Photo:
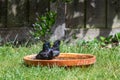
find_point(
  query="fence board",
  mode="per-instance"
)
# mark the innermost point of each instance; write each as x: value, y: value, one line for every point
x: 95, y: 13
x: 17, y: 13
x: 59, y: 27
x: 75, y: 14
x: 113, y: 16
x: 3, y: 13
x: 37, y: 7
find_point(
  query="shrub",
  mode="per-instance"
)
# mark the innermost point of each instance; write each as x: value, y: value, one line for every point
x: 43, y: 25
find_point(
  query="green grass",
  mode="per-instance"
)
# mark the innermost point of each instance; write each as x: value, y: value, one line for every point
x: 107, y: 66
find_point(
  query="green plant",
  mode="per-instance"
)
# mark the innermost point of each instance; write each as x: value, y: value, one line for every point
x: 112, y: 39
x: 95, y: 43
x: 106, y: 40
x: 43, y: 25
x: 116, y: 37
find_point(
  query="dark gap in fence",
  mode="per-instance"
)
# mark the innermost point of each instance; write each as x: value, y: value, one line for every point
x: 106, y: 13
x: 6, y: 11
x: 28, y: 8
x: 3, y: 13
x: 85, y: 12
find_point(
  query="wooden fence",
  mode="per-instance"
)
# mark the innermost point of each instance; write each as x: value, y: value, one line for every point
x: 17, y: 16
x: 94, y: 13
x: 20, y: 13
x: 87, y: 19
x: 101, y: 14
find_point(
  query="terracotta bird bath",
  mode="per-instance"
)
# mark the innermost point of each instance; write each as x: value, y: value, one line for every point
x: 64, y: 59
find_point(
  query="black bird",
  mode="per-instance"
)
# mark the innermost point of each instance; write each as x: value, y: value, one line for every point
x: 55, y: 48
x: 46, y: 52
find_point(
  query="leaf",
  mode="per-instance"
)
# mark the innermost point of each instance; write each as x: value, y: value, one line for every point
x: 102, y: 38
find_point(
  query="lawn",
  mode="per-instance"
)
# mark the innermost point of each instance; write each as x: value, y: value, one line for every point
x: 107, y: 66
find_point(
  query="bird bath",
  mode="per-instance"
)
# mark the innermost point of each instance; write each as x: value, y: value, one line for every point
x: 64, y: 59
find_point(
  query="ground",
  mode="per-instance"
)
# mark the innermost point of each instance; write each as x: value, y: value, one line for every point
x: 107, y: 66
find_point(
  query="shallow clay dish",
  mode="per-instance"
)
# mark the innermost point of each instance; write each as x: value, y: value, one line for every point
x: 64, y: 59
